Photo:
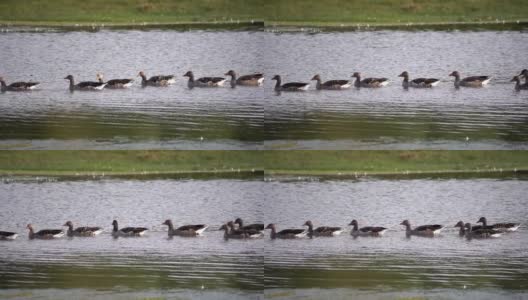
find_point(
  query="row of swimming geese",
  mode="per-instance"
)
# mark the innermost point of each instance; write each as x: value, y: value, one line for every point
x: 257, y: 79
x: 237, y: 230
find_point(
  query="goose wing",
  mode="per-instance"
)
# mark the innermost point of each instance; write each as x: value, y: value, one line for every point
x: 89, y: 84
x: 119, y: 81
x: 251, y: 77
x: 6, y: 233
x: 428, y: 227
x: 85, y: 229
x: 191, y: 227
x: 22, y: 84
x: 372, y: 229
x: 476, y: 78
x: 290, y: 231
x: 49, y: 232
x: 431, y: 80
x: 210, y: 79
x: 327, y: 229
x: 336, y: 82
x: 258, y: 227
x: 133, y: 229
x: 294, y: 85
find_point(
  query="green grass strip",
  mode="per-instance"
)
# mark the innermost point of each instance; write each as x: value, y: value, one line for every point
x: 301, y: 162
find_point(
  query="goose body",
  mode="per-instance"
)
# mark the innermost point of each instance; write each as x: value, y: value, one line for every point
x: 367, y: 230
x: 85, y: 85
x: 127, y: 231
x: 290, y: 86
x: 322, y: 230
x: 481, y: 233
x: 203, y: 81
x: 44, y: 234
x: 518, y: 85
x: 499, y: 226
x: 423, y: 230
x: 418, y: 82
x: 369, y: 82
x: 240, y: 223
x: 17, y: 86
x: 286, y: 233
x: 472, y: 81
x: 7, y: 235
x: 331, y: 84
x: 255, y: 79
x: 185, y: 230
x: 249, y: 231
x: 115, y: 83
x: 229, y: 233
x: 84, y: 231
x: 158, y: 80
x: 462, y: 231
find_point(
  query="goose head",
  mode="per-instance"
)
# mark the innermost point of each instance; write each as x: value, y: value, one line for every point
x: 29, y: 226
x: 270, y: 226
x: 141, y: 74
x: 69, y: 77
x: 460, y: 224
x: 455, y: 74
x: 230, y: 73
x: 114, y: 223
x: 524, y: 73
x: 308, y: 223
x: 405, y: 223
x: 481, y: 220
x: 404, y: 74
x: 188, y: 74
x: 167, y: 222
x: 69, y: 223
x: 316, y: 77
x: 276, y: 77
x: 238, y: 221
x: 356, y: 75
x: 353, y: 223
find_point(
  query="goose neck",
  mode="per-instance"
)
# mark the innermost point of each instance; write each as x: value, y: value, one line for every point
x: 355, y: 227
x: 278, y: 83
x: 116, y: 227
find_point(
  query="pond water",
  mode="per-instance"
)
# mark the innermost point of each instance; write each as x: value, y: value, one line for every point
x: 494, y: 117
x: 154, y: 265
x: 209, y: 267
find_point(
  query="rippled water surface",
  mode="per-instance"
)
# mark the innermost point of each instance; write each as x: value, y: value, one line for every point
x: 209, y: 267
x: 494, y: 117
x: 394, y: 265
x: 205, y: 267
x: 162, y: 118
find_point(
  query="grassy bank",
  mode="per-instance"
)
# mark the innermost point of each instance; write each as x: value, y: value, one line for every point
x: 89, y: 163
x: 276, y: 12
x: 392, y: 162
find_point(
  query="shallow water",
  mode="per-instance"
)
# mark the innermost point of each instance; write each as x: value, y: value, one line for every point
x: 494, y: 117
x: 209, y: 267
